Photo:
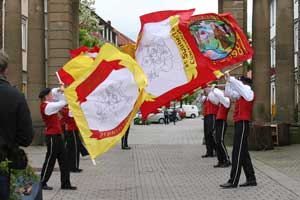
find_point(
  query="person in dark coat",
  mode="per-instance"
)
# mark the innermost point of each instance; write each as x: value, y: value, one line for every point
x: 173, y: 116
x: 166, y: 116
x: 15, y: 121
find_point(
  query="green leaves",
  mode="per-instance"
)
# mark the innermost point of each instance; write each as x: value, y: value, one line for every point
x: 86, y: 39
x: 27, y: 173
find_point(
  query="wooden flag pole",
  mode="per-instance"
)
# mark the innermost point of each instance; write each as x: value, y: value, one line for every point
x: 227, y: 71
x: 94, y: 162
x: 218, y: 85
x: 234, y: 68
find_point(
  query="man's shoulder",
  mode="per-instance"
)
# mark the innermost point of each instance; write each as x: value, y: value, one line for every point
x: 9, y: 91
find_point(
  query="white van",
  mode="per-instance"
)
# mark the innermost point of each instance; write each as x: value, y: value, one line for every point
x: 191, y: 110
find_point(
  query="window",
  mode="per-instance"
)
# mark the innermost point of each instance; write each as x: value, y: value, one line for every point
x: 273, y: 13
x: 296, y: 47
x: 24, y: 32
x: 296, y: 14
x: 296, y: 35
x: 273, y: 53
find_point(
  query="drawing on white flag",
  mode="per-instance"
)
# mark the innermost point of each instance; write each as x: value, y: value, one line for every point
x: 112, y: 98
x: 111, y: 102
x: 160, y: 58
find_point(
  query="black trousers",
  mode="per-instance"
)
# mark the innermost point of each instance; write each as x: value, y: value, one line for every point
x: 166, y: 119
x: 82, y: 149
x: 221, y: 126
x: 240, y: 154
x: 125, y: 138
x: 72, y: 141
x: 209, y: 125
x: 55, y: 150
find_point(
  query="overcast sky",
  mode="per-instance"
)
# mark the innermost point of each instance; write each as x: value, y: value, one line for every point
x: 124, y: 14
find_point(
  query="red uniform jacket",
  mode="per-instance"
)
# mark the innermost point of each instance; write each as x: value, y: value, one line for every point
x: 222, y: 112
x: 242, y: 110
x: 70, y: 124
x: 52, y: 122
x: 209, y: 108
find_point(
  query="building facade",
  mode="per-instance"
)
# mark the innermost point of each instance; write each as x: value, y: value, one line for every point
x: 284, y: 78
x: 275, y: 68
x: 37, y: 35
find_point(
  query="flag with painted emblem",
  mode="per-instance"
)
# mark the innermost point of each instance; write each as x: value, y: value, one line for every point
x: 106, y: 98
x: 169, y: 56
x: 219, y: 38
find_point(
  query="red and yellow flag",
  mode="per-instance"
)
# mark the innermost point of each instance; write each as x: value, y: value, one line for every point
x: 106, y: 98
x: 169, y: 56
x: 82, y: 58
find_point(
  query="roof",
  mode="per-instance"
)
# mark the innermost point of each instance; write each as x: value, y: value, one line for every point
x: 123, y: 39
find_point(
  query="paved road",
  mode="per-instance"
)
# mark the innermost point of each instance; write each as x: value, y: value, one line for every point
x: 165, y: 164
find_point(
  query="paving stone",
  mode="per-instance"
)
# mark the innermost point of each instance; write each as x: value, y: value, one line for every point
x: 165, y: 164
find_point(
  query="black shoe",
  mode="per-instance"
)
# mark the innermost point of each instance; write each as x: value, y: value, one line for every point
x: 68, y: 187
x: 225, y: 165
x: 76, y: 170
x: 228, y: 185
x: 218, y: 165
x: 228, y: 163
x: 248, y: 183
x: 46, y: 187
x: 126, y: 148
x: 207, y: 156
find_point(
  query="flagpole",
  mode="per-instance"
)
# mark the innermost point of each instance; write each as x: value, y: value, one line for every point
x: 236, y: 67
x: 229, y: 70
x: 58, y: 78
x: 218, y: 85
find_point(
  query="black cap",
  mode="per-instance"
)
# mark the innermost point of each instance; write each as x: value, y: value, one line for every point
x: 246, y: 80
x: 44, y: 93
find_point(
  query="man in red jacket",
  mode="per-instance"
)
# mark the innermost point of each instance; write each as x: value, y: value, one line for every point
x: 210, y: 110
x: 241, y: 91
x: 52, y: 101
x: 221, y: 126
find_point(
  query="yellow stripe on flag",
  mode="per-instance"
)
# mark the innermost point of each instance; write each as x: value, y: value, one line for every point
x: 108, y: 52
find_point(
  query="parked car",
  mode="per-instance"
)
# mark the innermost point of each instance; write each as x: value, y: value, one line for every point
x: 160, y: 117
x: 191, y: 110
x: 181, y: 112
x: 137, y: 120
x: 156, y: 118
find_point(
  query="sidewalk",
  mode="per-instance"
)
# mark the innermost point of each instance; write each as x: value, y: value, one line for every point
x: 165, y: 163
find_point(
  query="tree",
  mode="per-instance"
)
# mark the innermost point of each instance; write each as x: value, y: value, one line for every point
x: 89, y: 34
x: 87, y: 19
x: 87, y: 39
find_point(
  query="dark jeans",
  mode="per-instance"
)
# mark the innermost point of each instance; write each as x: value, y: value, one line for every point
x: 209, y: 126
x: 4, y: 187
